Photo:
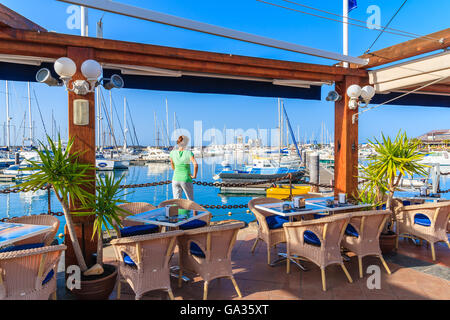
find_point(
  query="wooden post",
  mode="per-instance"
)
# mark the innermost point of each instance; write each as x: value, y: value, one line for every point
x: 345, y: 141
x: 84, y: 141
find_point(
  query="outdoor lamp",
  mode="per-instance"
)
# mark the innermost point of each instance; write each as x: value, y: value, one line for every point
x: 44, y: 76
x: 357, y: 95
x: 115, y: 81
x: 333, y: 96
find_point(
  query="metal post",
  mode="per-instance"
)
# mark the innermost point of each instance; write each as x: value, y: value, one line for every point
x: 314, y: 170
x: 16, y: 158
x: 345, y: 30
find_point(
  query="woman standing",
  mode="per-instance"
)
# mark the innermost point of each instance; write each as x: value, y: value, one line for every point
x: 181, y: 159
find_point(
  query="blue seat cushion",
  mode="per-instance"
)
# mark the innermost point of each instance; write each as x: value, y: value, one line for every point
x: 196, y: 251
x: 276, y: 221
x: 406, y: 202
x: 138, y: 230
x: 48, y: 277
x: 22, y: 247
x: 128, y: 261
x: 351, y: 231
x: 311, y: 238
x: 193, y: 224
x: 422, y: 220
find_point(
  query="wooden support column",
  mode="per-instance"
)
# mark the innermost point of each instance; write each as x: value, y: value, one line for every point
x: 84, y: 141
x: 345, y: 141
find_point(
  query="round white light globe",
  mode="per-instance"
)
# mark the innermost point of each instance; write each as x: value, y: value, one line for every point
x: 367, y: 92
x: 65, y: 67
x: 354, y: 91
x: 91, y: 69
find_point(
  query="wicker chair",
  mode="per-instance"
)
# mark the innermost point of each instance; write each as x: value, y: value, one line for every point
x: 207, y: 252
x: 29, y: 274
x: 426, y: 221
x: 189, y: 205
x: 144, y: 261
x: 43, y: 220
x: 269, y: 235
x: 362, y: 235
x: 318, y: 241
x: 135, y: 208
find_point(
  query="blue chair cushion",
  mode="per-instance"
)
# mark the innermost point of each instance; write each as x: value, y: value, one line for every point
x: 310, y: 238
x: 422, y: 220
x: 128, y: 261
x: 138, y: 230
x: 406, y: 202
x: 22, y: 247
x: 276, y: 221
x: 193, y: 224
x: 48, y: 277
x: 196, y: 251
x: 351, y: 231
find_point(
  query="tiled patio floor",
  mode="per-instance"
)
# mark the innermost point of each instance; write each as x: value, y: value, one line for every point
x: 414, y: 276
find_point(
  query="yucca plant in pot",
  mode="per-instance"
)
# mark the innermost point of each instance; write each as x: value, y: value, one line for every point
x: 99, y: 281
x: 394, y: 159
x: 60, y: 169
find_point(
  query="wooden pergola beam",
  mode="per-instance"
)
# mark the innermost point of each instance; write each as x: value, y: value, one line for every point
x: 407, y: 49
x: 13, y: 41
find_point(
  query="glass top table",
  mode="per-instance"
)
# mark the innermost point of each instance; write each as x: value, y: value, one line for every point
x: 159, y: 217
x: 313, y: 205
x: 13, y: 232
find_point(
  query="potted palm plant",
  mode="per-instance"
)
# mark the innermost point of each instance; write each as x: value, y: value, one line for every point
x: 394, y: 159
x: 60, y: 169
x: 98, y: 282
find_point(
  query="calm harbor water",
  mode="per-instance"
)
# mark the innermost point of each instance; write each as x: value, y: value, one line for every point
x: 19, y: 204
x: 13, y: 205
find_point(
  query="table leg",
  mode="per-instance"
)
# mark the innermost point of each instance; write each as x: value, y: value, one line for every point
x: 283, y: 257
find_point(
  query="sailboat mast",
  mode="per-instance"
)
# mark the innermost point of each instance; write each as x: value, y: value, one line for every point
x: 111, y: 131
x: 156, y: 129
x: 167, y: 123
x: 124, y: 123
x: 29, y: 115
x: 98, y: 116
x: 8, y: 119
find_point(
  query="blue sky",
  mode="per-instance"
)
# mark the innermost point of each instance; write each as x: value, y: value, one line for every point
x: 416, y: 16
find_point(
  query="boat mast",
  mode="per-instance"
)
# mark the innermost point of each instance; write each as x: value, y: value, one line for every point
x: 279, y: 131
x: 156, y: 130
x: 167, y: 123
x: 8, y: 119
x: 29, y: 115
x: 124, y: 123
x: 111, y: 131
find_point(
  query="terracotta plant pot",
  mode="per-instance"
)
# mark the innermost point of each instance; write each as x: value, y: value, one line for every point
x: 99, y: 288
x: 387, y: 242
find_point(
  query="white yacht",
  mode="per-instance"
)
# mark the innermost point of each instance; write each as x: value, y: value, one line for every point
x: 156, y: 155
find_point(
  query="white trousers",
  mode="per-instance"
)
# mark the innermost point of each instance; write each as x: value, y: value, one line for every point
x: 178, y: 187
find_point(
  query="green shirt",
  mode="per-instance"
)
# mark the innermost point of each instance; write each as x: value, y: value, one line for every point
x: 182, y: 163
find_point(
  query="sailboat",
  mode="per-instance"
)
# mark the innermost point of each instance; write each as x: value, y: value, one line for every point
x: 265, y: 168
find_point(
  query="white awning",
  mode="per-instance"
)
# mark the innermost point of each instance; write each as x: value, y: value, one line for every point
x: 412, y: 73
